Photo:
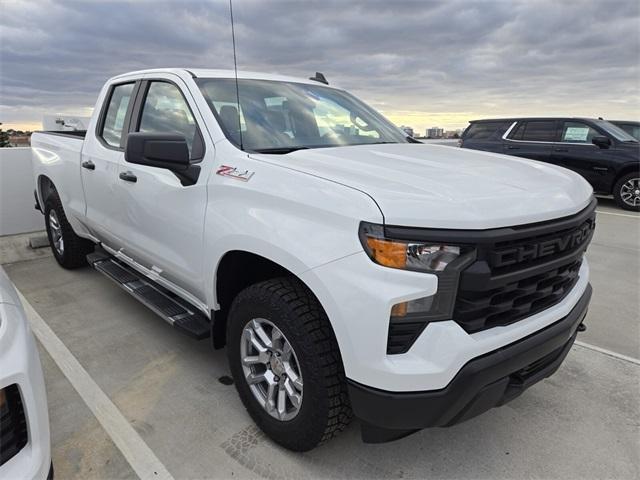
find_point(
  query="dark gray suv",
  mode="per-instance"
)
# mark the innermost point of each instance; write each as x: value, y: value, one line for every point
x: 604, y: 154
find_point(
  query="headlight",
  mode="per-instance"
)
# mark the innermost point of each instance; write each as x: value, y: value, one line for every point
x: 408, y: 319
x: 406, y: 255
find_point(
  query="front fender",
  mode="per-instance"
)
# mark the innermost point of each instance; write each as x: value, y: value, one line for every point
x: 291, y: 218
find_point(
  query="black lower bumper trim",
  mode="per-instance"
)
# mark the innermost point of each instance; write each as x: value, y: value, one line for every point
x: 483, y: 383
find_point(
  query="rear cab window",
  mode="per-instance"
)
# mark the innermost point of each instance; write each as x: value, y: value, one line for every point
x: 113, y: 120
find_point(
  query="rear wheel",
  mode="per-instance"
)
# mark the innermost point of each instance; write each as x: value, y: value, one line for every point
x: 286, y: 364
x: 69, y: 249
x: 626, y: 191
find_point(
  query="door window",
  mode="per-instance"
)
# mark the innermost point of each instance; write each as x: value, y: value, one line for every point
x: 536, y: 131
x: 165, y: 110
x: 577, y: 132
x: 116, y: 113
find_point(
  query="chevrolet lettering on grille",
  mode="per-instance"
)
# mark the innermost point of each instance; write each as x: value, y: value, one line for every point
x: 533, y: 251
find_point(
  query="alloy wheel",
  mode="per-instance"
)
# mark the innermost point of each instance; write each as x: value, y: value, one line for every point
x: 56, y: 232
x: 271, y: 369
x: 630, y: 192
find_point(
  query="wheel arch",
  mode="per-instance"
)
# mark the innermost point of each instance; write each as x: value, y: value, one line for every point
x: 44, y: 188
x: 624, y: 170
x: 228, y: 283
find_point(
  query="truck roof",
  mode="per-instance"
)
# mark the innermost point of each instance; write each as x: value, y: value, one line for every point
x: 220, y: 73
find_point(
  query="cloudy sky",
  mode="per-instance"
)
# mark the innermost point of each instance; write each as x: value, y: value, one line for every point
x: 421, y: 63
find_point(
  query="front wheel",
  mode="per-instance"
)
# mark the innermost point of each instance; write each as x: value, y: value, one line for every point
x: 626, y: 191
x: 286, y: 364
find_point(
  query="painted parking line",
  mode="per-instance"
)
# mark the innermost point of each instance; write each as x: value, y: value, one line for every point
x: 618, y: 214
x: 610, y: 353
x: 141, y: 458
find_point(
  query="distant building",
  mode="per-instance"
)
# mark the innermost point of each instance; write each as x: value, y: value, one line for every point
x: 435, y: 132
x: 407, y: 130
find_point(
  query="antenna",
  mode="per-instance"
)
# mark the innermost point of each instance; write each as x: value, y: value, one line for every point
x: 235, y: 69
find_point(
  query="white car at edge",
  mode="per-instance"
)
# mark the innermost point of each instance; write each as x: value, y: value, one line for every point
x: 349, y: 270
x: 24, y: 432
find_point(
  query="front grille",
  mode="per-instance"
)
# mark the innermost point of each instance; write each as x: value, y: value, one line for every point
x: 479, y: 310
x: 521, y: 271
x: 507, y: 274
x: 13, y: 424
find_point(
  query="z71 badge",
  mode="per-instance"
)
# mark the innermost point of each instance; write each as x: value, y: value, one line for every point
x: 233, y: 172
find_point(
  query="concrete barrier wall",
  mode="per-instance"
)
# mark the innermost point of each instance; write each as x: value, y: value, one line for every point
x: 17, y: 214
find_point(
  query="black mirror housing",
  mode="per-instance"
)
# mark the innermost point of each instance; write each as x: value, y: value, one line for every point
x: 162, y: 150
x: 601, y: 142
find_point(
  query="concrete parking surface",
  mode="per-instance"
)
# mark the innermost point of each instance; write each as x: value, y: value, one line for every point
x: 583, y: 422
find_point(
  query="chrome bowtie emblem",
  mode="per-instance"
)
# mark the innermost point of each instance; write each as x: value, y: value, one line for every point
x: 233, y: 172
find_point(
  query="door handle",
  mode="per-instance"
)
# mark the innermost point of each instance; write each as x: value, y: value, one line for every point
x: 560, y: 149
x: 128, y: 177
x: 511, y: 147
x: 89, y: 165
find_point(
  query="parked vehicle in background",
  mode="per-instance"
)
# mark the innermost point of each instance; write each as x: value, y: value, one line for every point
x: 631, y: 127
x: 25, y: 450
x: 604, y: 154
x: 347, y: 270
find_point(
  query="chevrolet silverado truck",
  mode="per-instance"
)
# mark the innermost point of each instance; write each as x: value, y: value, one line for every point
x: 348, y: 270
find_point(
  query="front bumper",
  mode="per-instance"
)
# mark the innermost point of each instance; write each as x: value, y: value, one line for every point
x: 485, y: 382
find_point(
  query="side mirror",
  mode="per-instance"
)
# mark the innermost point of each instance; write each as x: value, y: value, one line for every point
x: 162, y: 150
x: 601, y: 142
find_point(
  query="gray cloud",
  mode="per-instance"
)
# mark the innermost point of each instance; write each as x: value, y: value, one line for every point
x: 425, y: 62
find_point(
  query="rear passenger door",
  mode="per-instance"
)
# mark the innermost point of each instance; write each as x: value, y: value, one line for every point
x: 101, y: 155
x: 575, y: 151
x: 531, y: 139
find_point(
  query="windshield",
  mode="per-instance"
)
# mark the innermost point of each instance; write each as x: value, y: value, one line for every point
x: 280, y: 117
x: 615, y: 131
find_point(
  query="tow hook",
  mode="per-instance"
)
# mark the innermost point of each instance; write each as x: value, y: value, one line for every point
x: 582, y: 327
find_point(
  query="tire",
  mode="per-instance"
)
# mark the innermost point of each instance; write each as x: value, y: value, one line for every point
x: 626, y: 191
x: 324, y: 410
x: 72, y: 251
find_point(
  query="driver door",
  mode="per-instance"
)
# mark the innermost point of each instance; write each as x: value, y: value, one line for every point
x: 161, y: 220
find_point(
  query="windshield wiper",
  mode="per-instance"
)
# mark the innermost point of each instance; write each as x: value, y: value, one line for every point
x: 280, y: 150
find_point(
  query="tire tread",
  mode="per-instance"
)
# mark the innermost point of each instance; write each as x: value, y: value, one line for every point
x: 75, y: 248
x: 304, y: 305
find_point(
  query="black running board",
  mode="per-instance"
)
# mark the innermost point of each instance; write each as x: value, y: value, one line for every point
x: 174, y: 310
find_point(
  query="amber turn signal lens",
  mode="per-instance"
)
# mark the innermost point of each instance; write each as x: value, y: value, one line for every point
x: 387, y: 253
x: 399, y: 310
x: 3, y: 398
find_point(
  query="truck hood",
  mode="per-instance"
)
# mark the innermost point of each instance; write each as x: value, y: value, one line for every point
x: 446, y: 187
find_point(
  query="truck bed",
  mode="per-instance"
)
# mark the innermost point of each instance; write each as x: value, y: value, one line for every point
x: 77, y: 134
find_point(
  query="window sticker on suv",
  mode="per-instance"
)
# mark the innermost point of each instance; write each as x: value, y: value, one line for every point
x: 576, y: 134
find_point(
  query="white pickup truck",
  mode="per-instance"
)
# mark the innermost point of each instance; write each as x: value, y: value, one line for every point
x: 349, y: 270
